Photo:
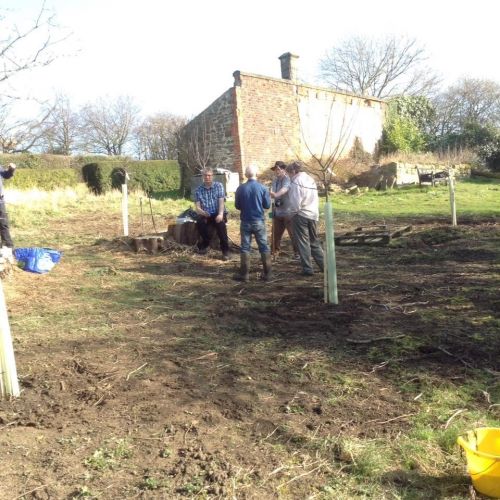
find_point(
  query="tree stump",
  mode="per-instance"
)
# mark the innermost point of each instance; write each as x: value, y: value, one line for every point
x: 149, y: 243
x: 187, y: 234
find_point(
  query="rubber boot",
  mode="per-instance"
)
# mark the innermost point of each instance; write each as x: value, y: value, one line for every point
x: 267, y: 264
x: 244, y: 274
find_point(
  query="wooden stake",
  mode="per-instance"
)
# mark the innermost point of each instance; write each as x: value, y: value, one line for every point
x: 451, y: 184
x: 125, y: 209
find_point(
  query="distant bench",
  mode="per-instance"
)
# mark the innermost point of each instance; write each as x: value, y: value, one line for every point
x: 432, y: 177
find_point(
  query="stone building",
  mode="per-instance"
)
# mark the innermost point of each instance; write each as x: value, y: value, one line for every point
x: 262, y: 119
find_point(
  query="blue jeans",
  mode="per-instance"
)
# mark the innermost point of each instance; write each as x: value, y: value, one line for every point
x: 258, y: 229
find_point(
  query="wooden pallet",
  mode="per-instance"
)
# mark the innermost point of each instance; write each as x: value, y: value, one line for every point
x: 376, y: 235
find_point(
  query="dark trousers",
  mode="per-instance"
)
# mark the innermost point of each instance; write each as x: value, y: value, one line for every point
x: 308, y: 243
x: 4, y: 226
x: 202, y: 225
x: 280, y: 223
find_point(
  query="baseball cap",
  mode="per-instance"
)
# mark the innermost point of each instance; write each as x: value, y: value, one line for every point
x: 280, y: 164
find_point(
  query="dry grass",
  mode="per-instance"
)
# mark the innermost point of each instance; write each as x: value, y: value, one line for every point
x: 453, y: 157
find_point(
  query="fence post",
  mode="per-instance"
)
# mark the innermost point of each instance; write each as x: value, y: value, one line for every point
x: 125, y: 209
x: 451, y: 183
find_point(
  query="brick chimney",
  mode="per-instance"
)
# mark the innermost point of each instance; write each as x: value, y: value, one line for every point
x: 288, y: 66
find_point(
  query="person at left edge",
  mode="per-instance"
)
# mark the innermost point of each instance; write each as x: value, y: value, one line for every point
x: 209, y: 201
x: 7, y: 243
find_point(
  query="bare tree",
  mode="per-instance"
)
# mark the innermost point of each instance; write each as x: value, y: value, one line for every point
x: 29, y: 46
x: 322, y: 161
x: 156, y: 138
x: 378, y: 67
x: 106, y: 125
x: 21, y: 136
x: 468, y: 101
x: 61, y: 129
x: 200, y: 139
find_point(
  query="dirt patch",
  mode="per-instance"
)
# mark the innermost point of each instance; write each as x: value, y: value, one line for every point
x: 160, y: 377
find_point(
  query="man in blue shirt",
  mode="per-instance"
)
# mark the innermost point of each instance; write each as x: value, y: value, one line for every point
x: 251, y: 199
x: 209, y: 200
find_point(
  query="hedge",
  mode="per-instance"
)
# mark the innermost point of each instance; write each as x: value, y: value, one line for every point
x: 36, y: 161
x: 43, y: 161
x: 47, y: 179
x: 150, y: 176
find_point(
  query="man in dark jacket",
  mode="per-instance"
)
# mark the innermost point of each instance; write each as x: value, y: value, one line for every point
x: 7, y: 244
x: 251, y: 199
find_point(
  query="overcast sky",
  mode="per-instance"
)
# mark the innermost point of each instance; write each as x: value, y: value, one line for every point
x: 179, y: 56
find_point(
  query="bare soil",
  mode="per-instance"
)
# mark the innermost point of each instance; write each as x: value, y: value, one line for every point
x: 160, y: 377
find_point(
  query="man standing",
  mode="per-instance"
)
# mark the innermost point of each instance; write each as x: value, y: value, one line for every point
x: 282, y: 218
x: 251, y: 199
x: 7, y: 244
x: 209, y: 202
x: 304, y: 204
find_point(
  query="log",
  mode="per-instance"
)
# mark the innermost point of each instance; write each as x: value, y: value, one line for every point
x: 149, y: 243
x: 187, y: 234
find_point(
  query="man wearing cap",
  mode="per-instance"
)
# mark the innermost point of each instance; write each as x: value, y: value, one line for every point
x: 304, y: 205
x: 282, y: 217
x: 251, y: 199
x: 209, y: 202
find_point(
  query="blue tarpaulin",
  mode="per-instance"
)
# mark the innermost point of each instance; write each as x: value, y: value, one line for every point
x: 37, y: 260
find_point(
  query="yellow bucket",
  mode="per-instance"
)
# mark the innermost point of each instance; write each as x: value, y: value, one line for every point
x: 482, y: 449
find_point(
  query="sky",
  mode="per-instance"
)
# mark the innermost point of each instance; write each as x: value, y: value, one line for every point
x: 179, y: 56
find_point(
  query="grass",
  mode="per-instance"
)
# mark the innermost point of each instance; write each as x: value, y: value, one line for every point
x: 109, y: 456
x: 474, y: 198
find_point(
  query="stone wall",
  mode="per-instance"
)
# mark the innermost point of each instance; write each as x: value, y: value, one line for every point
x: 210, y: 139
x: 262, y: 119
x: 268, y: 123
x: 407, y: 173
x: 401, y: 174
x: 280, y: 119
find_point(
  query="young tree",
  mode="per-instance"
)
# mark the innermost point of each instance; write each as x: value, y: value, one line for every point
x: 106, y: 125
x: 408, y: 124
x: 199, y: 143
x: 378, y: 67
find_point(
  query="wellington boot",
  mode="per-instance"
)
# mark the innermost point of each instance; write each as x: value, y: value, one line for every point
x: 268, y: 267
x: 244, y: 274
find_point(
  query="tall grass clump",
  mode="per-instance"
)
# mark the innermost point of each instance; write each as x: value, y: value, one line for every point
x: 34, y: 207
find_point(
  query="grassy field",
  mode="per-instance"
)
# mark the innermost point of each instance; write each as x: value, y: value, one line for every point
x: 157, y: 376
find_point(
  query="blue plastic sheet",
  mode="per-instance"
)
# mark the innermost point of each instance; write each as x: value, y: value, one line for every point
x: 37, y: 260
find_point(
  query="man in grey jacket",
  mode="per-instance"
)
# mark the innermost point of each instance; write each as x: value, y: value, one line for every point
x: 7, y: 244
x: 304, y: 205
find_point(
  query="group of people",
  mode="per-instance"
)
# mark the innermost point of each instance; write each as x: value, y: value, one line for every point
x: 294, y: 201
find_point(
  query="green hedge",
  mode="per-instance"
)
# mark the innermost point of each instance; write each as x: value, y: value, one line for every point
x: 43, y: 161
x: 46, y: 180
x: 150, y: 176
x: 38, y: 161
x: 97, y: 176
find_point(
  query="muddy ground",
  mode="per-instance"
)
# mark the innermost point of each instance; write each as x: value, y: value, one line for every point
x: 159, y: 377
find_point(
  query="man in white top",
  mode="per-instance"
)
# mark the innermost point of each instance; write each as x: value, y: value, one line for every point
x: 304, y: 205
